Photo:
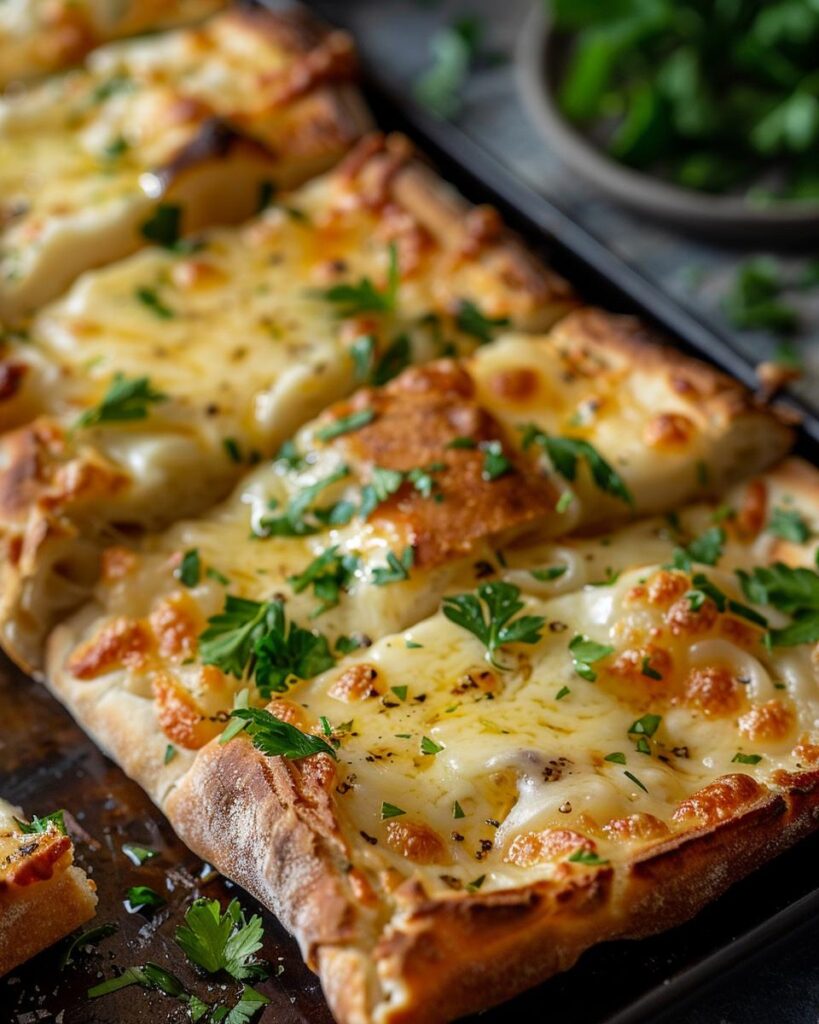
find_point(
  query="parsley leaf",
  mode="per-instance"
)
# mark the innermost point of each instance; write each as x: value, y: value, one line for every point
x: 396, y: 570
x: 231, y: 636
x: 39, y: 825
x: 707, y: 548
x: 329, y: 574
x: 740, y: 758
x: 293, y: 522
x: 138, y: 854
x: 390, y: 811
x: 345, y: 425
x: 471, y: 320
x: 553, y: 572
x: 149, y: 297
x: 164, y: 225
x: 495, y: 463
x: 565, y: 452
x: 364, y: 297
x: 395, y: 358
x: 452, y: 48
x: 429, y: 746
x: 190, y: 568
x: 583, y: 856
x: 284, y: 651
x: 584, y: 653
x: 362, y: 352
x: 792, y: 591
x: 221, y: 942
x: 276, y: 738
x: 496, y: 628
x: 248, y: 1006
x: 788, y: 524
x: 139, y: 896
x: 127, y: 399
x: 705, y: 588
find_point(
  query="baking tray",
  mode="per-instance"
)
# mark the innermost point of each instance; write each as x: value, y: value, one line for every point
x: 46, y: 761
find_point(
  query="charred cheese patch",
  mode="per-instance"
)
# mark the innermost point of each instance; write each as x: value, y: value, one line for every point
x: 42, y: 895
x: 198, y: 118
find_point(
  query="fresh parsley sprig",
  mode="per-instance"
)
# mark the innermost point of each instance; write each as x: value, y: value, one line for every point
x: 254, y: 638
x: 329, y: 574
x: 364, y: 296
x: 127, y: 399
x: 792, y: 591
x: 585, y: 653
x: 706, y: 548
x: 276, y: 738
x: 397, y: 568
x: 566, y: 452
x: 37, y: 826
x: 217, y: 941
x: 490, y: 617
x: 471, y: 320
x: 704, y: 588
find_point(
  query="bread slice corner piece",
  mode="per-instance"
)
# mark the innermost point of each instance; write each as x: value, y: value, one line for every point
x: 462, y: 848
x: 43, y: 895
x: 194, y: 124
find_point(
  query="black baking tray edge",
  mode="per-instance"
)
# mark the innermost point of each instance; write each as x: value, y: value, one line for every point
x: 623, y: 982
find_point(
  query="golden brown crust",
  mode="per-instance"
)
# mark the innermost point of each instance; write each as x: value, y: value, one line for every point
x: 437, y: 959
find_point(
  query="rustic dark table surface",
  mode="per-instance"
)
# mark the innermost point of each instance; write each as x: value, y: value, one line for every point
x: 46, y: 762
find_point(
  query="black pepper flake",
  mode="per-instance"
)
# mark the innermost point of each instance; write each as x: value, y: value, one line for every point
x: 483, y: 569
x: 492, y: 822
x: 368, y: 839
x: 451, y: 881
x: 456, y: 837
x: 680, y: 751
x: 557, y: 627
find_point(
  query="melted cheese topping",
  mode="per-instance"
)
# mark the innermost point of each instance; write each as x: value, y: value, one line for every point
x: 505, y: 772
x: 82, y: 156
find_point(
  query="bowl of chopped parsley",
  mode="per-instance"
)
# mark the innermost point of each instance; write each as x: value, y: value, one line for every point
x: 700, y: 112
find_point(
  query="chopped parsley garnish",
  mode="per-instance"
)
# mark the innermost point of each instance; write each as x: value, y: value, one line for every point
x: 163, y: 227
x: 143, y: 896
x: 364, y: 297
x: 553, y: 572
x: 348, y: 644
x: 462, y: 442
x: 475, y: 884
x: 452, y: 50
x: 566, y: 452
x: 329, y: 574
x: 214, y: 574
x: 150, y: 975
x: 149, y: 297
x: 170, y: 753
x: 276, y: 738
x: 83, y: 940
x: 396, y: 570
x: 252, y: 637
x: 608, y: 580
x: 411, y: 645
x: 495, y: 463
x: 792, y: 591
x: 400, y: 691
x: 495, y: 627
x: 457, y: 810
x: 740, y: 758
x: 110, y: 87
x: 583, y: 856
x: 471, y: 320
x: 190, y: 568
x: 127, y: 399
x: 217, y: 941
x: 138, y: 854
x: 390, y: 811
x: 647, y: 670
x: 788, y: 524
x: 39, y: 825
x: 345, y: 425
x: 707, y: 549
x: 396, y: 357
x: 232, y: 450
x: 563, y: 502
x: 707, y: 589
x: 429, y: 746
x: 585, y: 653
x: 636, y: 781
x: 294, y: 522
x: 645, y: 726
x: 616, y: 758
x: 564, y: 691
